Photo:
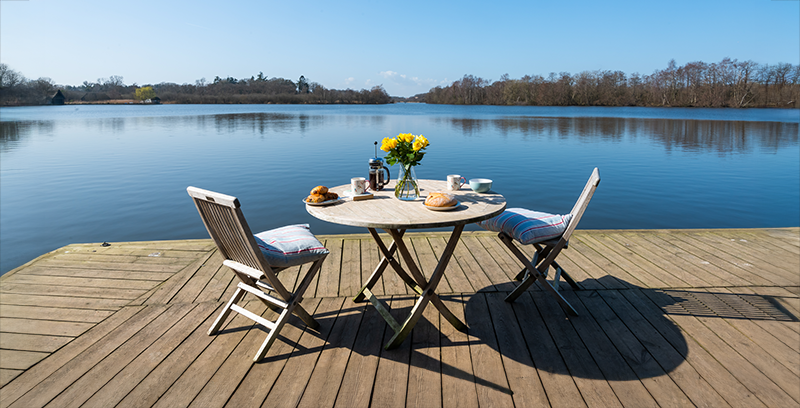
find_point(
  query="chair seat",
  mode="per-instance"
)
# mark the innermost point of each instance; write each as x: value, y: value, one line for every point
x: 289, y: 246
x: 526, y: 226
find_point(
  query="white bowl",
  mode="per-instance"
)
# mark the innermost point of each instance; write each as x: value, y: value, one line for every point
x: 480, y: 185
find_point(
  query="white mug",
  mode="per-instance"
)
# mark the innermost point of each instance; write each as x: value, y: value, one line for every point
x: 358, y: 185
x: 455, y: 181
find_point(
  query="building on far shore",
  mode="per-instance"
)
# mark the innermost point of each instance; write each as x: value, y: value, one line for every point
x: 58, y: 98
x: 156, y: 100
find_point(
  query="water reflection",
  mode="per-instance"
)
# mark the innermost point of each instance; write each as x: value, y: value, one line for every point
x: 261, y: 123
x: 690, y: 135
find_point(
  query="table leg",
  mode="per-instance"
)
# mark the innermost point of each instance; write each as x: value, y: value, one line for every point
x: 376, y: 274
x: 388, y: 259
x: 429, y: 292
x: 420, y: 278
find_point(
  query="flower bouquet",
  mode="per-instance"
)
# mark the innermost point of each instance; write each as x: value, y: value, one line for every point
x: 407, y: 150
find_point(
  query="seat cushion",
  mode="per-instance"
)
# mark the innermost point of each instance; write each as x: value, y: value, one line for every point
x: 289, y: 246
x: 526, y: 226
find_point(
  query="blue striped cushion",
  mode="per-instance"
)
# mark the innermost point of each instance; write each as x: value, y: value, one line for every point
x: 526, y: 226
x: 289, y: 246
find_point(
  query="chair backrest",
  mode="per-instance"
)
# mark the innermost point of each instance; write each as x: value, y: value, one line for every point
x: 226, y: 224
x: 582, y: 203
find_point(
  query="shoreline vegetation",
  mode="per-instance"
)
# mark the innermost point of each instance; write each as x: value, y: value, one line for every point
x: 728, y: 83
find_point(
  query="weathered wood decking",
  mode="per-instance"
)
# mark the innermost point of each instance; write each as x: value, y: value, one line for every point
x: 667, y: 318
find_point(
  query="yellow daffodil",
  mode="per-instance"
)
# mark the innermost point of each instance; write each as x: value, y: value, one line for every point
x: 388, y: 144
x: 405, y: 137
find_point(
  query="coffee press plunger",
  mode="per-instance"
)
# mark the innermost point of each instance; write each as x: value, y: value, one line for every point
x: 376, y: 168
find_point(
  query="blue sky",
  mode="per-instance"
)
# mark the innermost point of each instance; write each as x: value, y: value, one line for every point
x: 408, y: 47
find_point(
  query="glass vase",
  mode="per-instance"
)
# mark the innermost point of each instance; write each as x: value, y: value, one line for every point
x: 407, y: 187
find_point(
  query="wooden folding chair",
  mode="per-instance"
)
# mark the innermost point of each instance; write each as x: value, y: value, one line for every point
x: 243, y: 254
x: 547, y: 247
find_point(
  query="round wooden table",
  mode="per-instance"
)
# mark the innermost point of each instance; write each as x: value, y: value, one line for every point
x: 395, y: 216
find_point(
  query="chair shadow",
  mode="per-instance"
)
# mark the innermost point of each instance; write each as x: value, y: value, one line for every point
x: 620, y: 334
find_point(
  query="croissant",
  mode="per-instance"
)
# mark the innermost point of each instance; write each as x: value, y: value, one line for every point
x: 440, y: 200
x: 321, y: 190
x: 315, y: 198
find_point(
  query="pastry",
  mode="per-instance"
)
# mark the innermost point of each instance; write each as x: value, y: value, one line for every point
x: 440, y: 200
x: 321, y: 190
x: 330, y: 195
x: 315, y: 198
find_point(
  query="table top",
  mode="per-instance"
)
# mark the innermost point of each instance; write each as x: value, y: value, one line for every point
x: 387, y: 212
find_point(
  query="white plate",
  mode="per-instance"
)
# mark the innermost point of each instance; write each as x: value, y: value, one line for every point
x: 450, y: 208
x: 349, y: 193
x: 324, y: 203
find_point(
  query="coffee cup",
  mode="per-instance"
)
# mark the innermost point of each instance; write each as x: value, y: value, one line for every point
x: 480, y: 185
x: 455, y: 181
x: 358, y: 185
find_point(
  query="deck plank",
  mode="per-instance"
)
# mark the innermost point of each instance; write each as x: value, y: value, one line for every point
x: 23, y: 288
x: 427, y: 261
x: 490, y: 378
x: 60, y: 379
x: 663, y: 258
x: 95, y: 378
x: 191, y: 290
x: 329, y: 274
x: 596, y: 390
x: 31, y: 378
x: 329, y: 370
x: 54, y: 313
x: 651, y: 305
x: 458, y: 378
x: 646, y: 367
x: 391, y: 379
x: 359, y: 375
x: 350, y: 280
x: 424, y: 371
x: 490, y: 267
x: 454, y: 274
x: 261, y: 378
x: 289, y: 387
x: 32, y: 342
x: 521, y: 374
x: 559, y: 386
x: 748, y: 375
x: 685, y: 376
x: 20, y: 359
x: 184, y: 390
x: 369, y: 261
x: 126, y: 379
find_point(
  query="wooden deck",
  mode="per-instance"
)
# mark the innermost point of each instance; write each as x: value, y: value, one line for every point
x: 667, y: 318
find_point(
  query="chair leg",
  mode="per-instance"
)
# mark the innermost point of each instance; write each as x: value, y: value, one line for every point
x: 301, y: 289
x: 567, y: 277
x: 237, y: 296
x: 273, y: 334
x: 535, y: 274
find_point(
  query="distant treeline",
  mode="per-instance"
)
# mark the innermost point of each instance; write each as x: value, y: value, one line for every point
x: 728, y: 83
x: 16, y: 90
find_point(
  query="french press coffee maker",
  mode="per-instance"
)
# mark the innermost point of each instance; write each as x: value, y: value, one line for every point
x: 376, y: 177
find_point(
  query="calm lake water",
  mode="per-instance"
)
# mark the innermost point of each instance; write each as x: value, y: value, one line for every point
x: 71, y: 174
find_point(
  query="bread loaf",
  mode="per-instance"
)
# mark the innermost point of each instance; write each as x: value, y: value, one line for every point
x: 440, y: 200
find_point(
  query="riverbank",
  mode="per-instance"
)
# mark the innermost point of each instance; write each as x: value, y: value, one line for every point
x: 667, y: 317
